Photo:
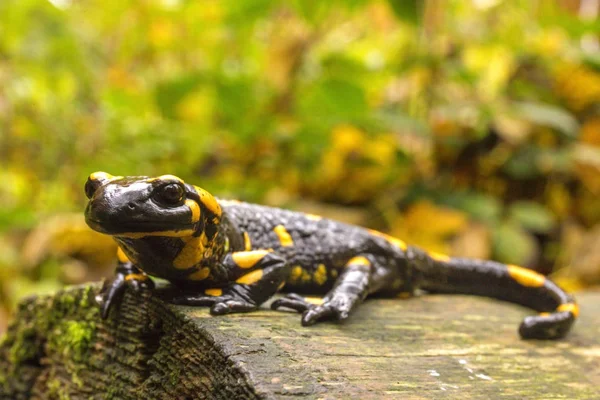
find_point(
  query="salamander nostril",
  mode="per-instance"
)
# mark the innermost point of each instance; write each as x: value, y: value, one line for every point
x: 131, y: 205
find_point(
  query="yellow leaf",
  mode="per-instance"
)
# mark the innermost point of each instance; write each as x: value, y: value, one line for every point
x: 196, y: 106
x: 161, y: 33
x: 493, y: 65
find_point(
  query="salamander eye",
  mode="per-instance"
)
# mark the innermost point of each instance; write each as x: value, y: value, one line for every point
x: 90, y: 187
x: 170, y: 194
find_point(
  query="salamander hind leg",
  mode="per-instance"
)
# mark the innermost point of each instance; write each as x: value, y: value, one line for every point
x: 349, y: 290
x: 261, y: 274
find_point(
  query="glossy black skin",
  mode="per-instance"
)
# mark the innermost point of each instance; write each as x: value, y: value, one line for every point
x: 318, y: 255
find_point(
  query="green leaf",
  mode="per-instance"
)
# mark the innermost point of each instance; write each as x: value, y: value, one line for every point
x: 334, y: 101
x: 407, y: 10
x: 479, y: 206
x: 531, y: 216
x: 548, y: 115
x: 246, y: 11
x: 513, y: 245
x: 523, y: 164
x: 168, y: 94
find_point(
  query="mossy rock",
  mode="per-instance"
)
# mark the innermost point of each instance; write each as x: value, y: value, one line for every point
x: 424, y: 348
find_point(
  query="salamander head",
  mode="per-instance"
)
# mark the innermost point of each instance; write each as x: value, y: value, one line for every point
x: 139, y: 206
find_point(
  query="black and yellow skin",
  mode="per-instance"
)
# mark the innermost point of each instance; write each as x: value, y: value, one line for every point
x: 233, y: 256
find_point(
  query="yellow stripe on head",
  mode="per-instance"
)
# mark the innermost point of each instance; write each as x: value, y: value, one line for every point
x: 526, y: 277
x: 165, y: 178
x: 284, y: 236
x: 209, y: 201
x: 251, y: 277
x: 100, y: 176
x: 248, y: 259
x: 170, y: 178
x: 195, y: 209
x: 103, y: 176
x: 570, y: 307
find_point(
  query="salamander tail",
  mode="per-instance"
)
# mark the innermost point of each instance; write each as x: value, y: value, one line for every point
x: 557, y: 309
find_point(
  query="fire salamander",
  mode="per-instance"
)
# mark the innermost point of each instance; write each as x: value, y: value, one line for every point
x: 233, y: 256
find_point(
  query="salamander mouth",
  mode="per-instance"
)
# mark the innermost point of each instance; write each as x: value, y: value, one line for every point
x: 137, y: 227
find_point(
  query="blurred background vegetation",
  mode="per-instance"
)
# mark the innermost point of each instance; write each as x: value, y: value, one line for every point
x: 469, y: 127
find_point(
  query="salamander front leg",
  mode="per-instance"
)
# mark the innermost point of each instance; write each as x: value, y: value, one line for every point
x: 126, y: 275
x: 262, y: 274
x: 349, y: 290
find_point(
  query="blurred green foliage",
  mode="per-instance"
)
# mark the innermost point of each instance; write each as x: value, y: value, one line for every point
x: 470, y: 127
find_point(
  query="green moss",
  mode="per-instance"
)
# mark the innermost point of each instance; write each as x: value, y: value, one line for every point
x: 62, y: 327
x: 76, y: 339
x: 86, y: 297
x: 23, y: 347
x: 174, y: 376
x: 56, y: 390
x: 72, y: 340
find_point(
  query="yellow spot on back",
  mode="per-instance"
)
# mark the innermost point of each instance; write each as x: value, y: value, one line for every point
x: 320, y: 275
x: 305, y: 276
x: 209, y: 201
x: 228, y: 202
x: 173, y: 233
x: 571, y: 307
x: 313, y: 217
x: 281, y: 285
x: 395, y: 241
x: 284, y: 237
x: 359, y: 261
x: 544, y: 314
x: 200, y: 275
x: 439, y: 256
x: 526, y: 277
x: 213, y: 292
x: 194, y: 208
x: 296, y: 273
x: 248, y: 259
x: 247, y: 243
x: 251, y: 277
x: 121, y: 256
x: 191, y: 253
